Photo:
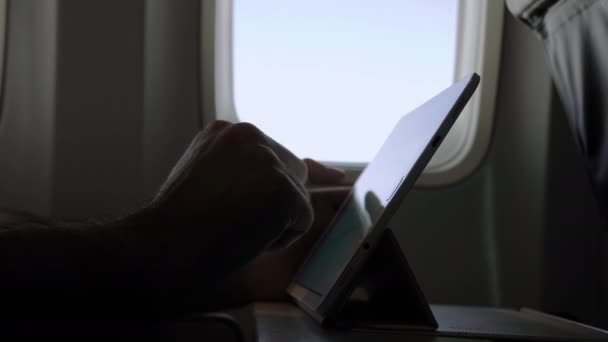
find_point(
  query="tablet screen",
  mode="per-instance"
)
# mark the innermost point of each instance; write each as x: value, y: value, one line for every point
x: 370, y: 195
x: 413, y: 139
x: 336, y: 250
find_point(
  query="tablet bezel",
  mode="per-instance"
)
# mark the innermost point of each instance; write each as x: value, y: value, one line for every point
x: 322, y: 306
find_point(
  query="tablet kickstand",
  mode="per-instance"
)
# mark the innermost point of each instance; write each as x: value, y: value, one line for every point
x: 385, y: 293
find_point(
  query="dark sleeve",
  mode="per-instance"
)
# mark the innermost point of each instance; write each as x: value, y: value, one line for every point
x: 100, y: 272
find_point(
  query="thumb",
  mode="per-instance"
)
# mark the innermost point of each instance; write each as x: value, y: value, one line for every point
x: 322, y: 175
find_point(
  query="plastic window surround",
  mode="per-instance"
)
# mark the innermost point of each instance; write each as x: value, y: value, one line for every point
x: 479, y: 41
x: 3, y: 31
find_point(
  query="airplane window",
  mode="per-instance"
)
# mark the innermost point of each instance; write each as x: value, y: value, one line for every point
x: 329, y: 79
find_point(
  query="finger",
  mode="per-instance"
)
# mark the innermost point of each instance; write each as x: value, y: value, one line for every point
x: 209, y: 133
x: 295, y: 205
x: 244, y: 133
x: 294, y: 165
x: 285, y: 169
x: 300, y: 214
x: 250, y: 133
x: 320, y: 174
x: 304, y: 244
x: 214, y: 128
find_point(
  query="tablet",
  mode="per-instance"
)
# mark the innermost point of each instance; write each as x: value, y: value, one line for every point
x: 340, y: 253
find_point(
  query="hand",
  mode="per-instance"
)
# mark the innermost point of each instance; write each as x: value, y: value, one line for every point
x: 228, y: 198
x: 268, y: 276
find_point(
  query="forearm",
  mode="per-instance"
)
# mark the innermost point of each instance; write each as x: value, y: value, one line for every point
x: 71, y: 267
x: 96, y: 269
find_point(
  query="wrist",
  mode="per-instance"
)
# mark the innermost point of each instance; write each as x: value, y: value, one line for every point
x: 138, y: 245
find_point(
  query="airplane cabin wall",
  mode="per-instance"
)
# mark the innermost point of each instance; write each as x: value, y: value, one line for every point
x: 480, y: 241
x: 26, y: 117
x: 100, y: 99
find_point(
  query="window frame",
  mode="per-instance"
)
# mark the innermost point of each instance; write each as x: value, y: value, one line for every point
x: 479, y: 41
x: 3, y: 49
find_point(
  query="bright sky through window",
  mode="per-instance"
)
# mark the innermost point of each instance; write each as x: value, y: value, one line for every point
x: 329, y: 79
